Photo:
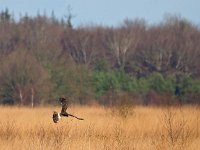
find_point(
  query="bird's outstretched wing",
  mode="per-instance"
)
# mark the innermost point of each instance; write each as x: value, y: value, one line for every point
x: 75, y: 117
x: 55, y: 117
x: 64, y: 103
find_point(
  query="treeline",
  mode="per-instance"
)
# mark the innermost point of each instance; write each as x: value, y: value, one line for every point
x: 42, y: 58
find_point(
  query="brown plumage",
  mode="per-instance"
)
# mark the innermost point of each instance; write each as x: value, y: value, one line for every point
x: 57, y: 116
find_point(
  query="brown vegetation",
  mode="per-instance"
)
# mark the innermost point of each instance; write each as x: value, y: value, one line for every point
x: 103, y: 128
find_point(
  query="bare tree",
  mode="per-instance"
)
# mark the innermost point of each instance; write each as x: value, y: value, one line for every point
x: 169, y: 48
x: 25, y: 78
x: 76, y: 43
x: 119, y: 42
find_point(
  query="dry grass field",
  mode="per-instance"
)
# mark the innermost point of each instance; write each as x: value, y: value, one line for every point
x: 138, y: 128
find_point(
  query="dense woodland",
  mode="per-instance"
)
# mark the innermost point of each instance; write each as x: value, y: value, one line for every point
x: 42, y: 58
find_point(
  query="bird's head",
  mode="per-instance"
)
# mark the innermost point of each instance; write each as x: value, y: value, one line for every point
x: 62, y: 99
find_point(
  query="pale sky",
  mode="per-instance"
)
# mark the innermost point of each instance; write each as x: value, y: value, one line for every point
x: 107, y: 12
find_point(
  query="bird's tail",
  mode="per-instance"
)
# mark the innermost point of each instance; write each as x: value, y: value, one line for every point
x: 75, y: 117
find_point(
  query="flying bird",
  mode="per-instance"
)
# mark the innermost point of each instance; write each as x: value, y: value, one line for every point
x: 57, y: 116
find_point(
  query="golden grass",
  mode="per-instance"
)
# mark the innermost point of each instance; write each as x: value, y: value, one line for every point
x: 144, y: 128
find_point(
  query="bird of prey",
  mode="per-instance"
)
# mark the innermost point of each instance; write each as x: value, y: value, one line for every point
x: 57, y: 116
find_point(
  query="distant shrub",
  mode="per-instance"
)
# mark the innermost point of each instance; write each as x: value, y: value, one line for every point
x: 189, y: 90
x: 190, y: 85
x: 118, y: 81
x: 159, y: 84
x: 127, y: 83
x: 104, y: 81
x: 101, y: 65
x: 143, y: 86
